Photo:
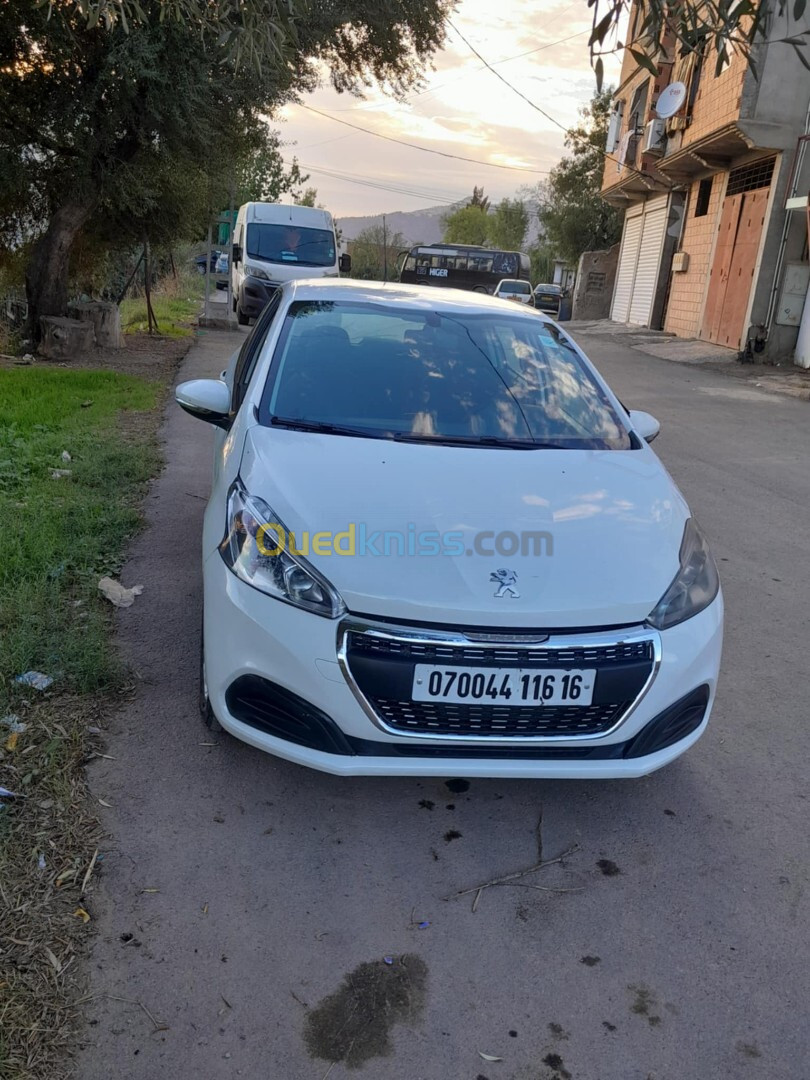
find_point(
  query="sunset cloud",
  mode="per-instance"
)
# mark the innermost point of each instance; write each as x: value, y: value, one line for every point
x: 461, y: 108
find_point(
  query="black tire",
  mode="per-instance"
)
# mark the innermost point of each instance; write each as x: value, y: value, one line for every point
x: 241, y: 318
x: 206, y: 711
x: 480, y: 288
x: 233, y: 302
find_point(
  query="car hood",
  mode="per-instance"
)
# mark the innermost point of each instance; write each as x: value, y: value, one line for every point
x: 607, y: 527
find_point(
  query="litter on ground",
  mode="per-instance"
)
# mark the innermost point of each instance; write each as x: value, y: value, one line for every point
x: 117, y: 594
x: 34, y: 679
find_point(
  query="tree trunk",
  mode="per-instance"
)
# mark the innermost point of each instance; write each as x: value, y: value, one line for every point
x: 46, y: 279
x: 65, y: 339
x: 147, y: 282
x: 105, y: 319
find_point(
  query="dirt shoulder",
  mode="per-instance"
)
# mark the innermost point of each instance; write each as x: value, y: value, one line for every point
x: 80, y: 447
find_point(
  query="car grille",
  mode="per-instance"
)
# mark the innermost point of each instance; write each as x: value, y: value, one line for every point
x: 381, y: 667
x: 440, y: 718
x: 507, y: 656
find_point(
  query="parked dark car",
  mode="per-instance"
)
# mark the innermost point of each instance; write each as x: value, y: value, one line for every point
x: 199, y: 261
x: 547, y: 298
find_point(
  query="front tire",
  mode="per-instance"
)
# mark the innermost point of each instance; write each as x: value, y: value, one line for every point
x: 241, y: 318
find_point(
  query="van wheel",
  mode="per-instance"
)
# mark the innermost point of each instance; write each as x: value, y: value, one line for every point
x: 241, y: 318
x: 206, y: 711
x: 480, y: 288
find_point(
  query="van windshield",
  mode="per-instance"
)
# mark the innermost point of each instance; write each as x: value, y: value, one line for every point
x: 291, y: 244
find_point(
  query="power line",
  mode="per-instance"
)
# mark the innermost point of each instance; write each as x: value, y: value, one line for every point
x: 466, y: 74
x: 425, y: 149
x: 506, y: 82
x: 380, y: 185
x: 536, y: 107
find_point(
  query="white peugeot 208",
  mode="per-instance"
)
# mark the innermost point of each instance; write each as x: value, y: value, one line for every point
x: 438, y: 544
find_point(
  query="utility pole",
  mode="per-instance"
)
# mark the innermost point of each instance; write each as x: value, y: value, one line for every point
x: 385, y: 252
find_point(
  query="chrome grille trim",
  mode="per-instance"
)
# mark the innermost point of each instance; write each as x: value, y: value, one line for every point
x: 597, y: 646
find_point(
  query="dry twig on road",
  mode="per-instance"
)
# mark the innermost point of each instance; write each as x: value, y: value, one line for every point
x: 512, y: 879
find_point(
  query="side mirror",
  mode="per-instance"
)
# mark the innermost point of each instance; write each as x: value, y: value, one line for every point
x: 345, y: 264
x: 644, y: 424
x: 236, y: 254
x: 207, y: 399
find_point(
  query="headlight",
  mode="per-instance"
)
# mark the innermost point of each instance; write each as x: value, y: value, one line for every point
x: 256, y: 271
x: 695, y: 585
x: 255, y: 549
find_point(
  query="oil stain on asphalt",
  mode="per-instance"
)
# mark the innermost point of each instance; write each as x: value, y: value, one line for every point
x: 354, y: 1024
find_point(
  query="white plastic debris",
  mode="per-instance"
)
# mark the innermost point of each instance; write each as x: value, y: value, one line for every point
x: 66, y: 456
x: 60, y: 474
x: 41, y: 861
x: 13, y: 723
x: 6, y: 794
x: 115, y: 592
x: 34, y: 679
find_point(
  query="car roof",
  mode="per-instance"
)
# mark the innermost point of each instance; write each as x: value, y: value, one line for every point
x: 395, y: 294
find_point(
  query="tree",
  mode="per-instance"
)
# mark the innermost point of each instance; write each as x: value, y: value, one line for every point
x: 508, y: 224
x: 467, y: 225
x: 100, y: 102
x: 254, y: 30
x: 307, y: 197
x: 261, y: 175
x: 479, y: 199
x: 572, y: 215
x: 375, y: 251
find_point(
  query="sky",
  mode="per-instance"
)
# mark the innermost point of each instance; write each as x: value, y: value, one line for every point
x: 462, y: 108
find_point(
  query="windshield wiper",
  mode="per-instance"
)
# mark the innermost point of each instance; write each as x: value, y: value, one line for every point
x: 477, y: 440
x: 322, y: 427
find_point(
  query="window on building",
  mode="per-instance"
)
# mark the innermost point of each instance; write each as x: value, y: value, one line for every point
x: 724, y: 53
x: 636, y: 120
x: 703, y: 197
x: 757, y: 174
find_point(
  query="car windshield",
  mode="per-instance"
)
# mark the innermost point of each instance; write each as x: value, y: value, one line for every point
x: 522, y: 287
x: 291, y: 244
x: 475, y: 378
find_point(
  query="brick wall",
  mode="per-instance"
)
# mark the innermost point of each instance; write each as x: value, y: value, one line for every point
x: 688, y: 288
x: 718, y: 99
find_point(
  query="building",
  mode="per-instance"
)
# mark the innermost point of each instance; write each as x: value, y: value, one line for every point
x: 703, y: 163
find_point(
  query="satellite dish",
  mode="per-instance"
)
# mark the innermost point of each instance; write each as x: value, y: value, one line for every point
x: 670, y: 100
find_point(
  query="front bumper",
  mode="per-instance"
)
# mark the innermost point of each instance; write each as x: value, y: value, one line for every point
x: 254, y: 294
x: 275, y: 681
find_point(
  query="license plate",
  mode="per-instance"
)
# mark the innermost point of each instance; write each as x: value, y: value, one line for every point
x: 504, y: 686
x: 549, y: 299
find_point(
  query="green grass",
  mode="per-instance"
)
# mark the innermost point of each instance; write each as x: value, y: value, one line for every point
x: 60, y: 536
x: 172, y: 315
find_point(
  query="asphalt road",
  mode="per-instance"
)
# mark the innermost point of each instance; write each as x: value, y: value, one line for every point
x: 248, y: 903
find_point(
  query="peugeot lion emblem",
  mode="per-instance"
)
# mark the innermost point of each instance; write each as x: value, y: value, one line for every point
x: 506, y: 583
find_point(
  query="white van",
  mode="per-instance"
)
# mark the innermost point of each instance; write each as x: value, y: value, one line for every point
x: 274, y: 243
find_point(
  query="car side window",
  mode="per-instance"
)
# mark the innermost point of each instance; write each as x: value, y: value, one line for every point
x: 246, y: 363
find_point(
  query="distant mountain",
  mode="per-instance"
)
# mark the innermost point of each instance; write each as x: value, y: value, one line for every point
x: 417, y: 226
x: 420, y: 226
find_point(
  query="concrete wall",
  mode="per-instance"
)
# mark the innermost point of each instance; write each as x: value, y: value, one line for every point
x: 596, y: 276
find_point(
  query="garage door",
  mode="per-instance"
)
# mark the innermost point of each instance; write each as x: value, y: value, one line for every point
x: 627, y: 266
x: 649, y: 260
x: 639, y: 262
